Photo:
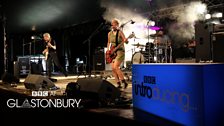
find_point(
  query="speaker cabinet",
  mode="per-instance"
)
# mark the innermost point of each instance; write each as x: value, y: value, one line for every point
x: 210, y: 42
x: 98, y: 88
x: 99, y: 60
x: 38, y: 82
x: 203, y: 42
x: 16, y: 69
x: 217, y: 48
x: 36, y: 68
x: 8, y: 78
x: 24, y: 65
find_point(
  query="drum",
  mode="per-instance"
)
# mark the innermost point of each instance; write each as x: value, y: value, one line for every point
x: 138, y: 58
x: 149, y: 47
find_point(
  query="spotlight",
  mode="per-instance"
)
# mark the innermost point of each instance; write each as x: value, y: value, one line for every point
x: 33, y: 28
x: 153, y: 23
x: 32, y: 37
x: 208, y: 16
x: 217, y: 15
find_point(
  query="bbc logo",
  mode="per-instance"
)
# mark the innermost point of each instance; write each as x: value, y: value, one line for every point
x: 40, y: 93
x: 43, y: 93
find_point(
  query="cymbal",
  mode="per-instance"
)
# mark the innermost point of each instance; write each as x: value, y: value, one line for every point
x: 138, y: 45
x: 134, y: 36
x: 154, y: 35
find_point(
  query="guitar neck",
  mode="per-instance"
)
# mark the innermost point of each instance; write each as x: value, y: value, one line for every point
x: 117, y: 47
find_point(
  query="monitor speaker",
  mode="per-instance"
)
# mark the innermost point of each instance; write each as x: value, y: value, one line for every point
x: 98, y: 88
x: 38, y: 82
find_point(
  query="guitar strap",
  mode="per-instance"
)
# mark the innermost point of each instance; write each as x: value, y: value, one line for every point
x: 117, y: 38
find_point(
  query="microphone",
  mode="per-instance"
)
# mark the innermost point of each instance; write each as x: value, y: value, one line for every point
x: 122, y: 25
x: 132, y: 22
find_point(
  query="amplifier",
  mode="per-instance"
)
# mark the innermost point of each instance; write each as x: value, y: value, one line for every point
x: 24, y: 65
x: 31, y: 64
x: 218, y: 28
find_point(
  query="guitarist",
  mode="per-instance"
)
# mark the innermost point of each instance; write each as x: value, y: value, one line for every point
x: 51, y: 55
x: 116, y: 38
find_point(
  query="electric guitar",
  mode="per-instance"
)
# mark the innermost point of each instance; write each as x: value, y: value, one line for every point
x: 45, y: 53
x: 111, y: 54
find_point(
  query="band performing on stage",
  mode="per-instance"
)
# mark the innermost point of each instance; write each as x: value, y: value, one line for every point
x: 147, y: 61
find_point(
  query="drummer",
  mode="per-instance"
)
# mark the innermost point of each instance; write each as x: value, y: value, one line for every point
x: 162, y: 43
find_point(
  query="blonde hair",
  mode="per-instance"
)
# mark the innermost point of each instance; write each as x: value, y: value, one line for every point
x: 116, y: 21
x: 47, y: 34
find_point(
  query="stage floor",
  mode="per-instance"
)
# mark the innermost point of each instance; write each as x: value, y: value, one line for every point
x: 62, y: 83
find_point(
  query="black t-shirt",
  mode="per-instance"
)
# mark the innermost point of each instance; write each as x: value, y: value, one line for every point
x: 51, y: 50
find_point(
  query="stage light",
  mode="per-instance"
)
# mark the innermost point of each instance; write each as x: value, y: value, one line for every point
x: 208, y: 16
x: 35, y: 37
x: 217, y: 15
x: 153, y: 23
x: 32, y: 37
x: 155, y: 28
x: 33, y: 28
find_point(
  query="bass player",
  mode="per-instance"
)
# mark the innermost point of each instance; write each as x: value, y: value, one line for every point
x: 116, y: 39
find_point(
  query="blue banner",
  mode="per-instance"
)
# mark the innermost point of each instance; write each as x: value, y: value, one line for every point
x: 175, y: 91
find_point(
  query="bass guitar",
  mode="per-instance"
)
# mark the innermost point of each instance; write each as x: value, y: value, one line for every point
x: 111, y: 54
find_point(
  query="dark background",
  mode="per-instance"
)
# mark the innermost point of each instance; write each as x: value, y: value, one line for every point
x: 72, y: 23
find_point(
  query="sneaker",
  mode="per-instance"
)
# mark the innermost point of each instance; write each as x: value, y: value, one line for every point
x: 125, y: 85
x: 65, y: 74
x: 54, y: 88
x: 119, y: 85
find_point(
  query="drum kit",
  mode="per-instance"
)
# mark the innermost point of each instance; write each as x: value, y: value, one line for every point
x: 153, y: 53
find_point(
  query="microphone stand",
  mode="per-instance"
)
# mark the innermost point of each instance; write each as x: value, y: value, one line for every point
x: 5, y: 44
x: 89, y: 45
x: 148, y: 42
x: 122, y: 26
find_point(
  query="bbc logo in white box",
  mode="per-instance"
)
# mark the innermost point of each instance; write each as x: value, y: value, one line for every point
x: 40, y: 93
